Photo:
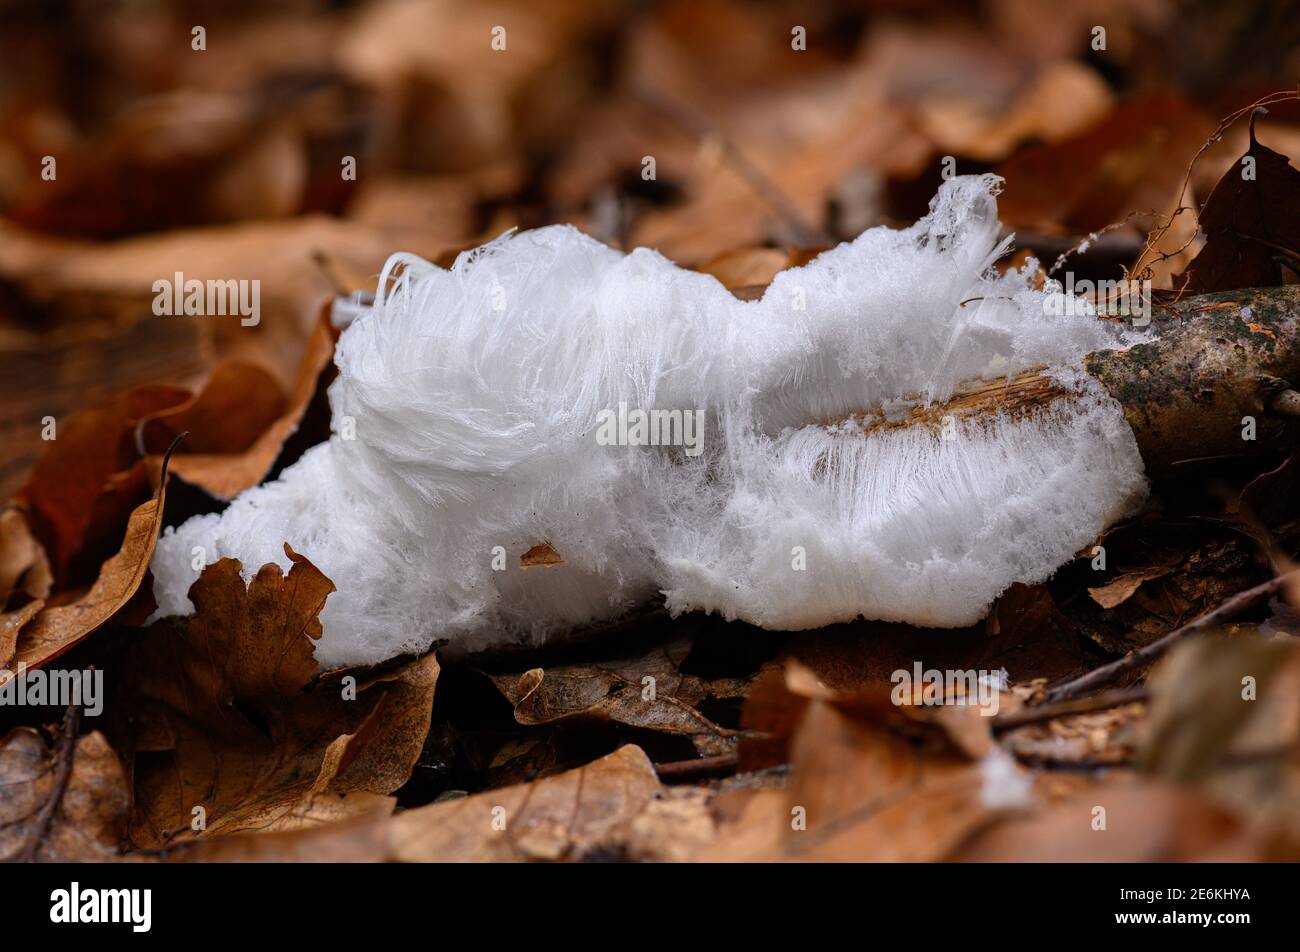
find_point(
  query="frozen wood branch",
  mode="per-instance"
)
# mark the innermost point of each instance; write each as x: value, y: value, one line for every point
x: 1219, y: 362
x: 806, y: 458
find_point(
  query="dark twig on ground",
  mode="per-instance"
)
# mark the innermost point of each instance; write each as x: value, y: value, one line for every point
x: 680, y: 770
x: 1047, y: 712
x: 63, y: 758
x: 1109, y: 673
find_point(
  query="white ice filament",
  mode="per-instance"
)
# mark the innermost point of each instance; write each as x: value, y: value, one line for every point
x: 473, y: 397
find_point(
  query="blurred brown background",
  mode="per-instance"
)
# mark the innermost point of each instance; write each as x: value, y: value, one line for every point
x: 228, y: 161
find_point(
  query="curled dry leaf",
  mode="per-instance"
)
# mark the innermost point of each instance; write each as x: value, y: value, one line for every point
x: 72, y: 485
x: 91, y: 490
x: 24, y: 569
x: 56, y: 810
x: 228, y: 715
x: 57, y: 627
x: 646, y: 691
x: 241, y: 421
x: 1119, y: 590
x: 10, y: 624
x: 235, y: 406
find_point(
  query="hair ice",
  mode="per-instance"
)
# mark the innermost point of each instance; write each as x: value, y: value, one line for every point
x: 466, y: 411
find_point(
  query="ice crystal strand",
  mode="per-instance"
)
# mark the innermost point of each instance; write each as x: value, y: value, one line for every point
x: 502, y: 403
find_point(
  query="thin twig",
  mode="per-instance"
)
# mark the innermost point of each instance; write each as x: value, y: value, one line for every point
x: 684, y: 769
x: 1086, y: 705
x: 1108, y: 673
x: 63, y: 758
x: 1143, y: 269
x: 1092, y: 239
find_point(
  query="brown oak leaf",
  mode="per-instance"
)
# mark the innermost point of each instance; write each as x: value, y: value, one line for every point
x: 231, y: 726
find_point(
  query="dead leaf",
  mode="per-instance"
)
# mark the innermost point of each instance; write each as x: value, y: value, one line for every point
x: 158, y: 166
x: 1204, y: 696
x: 1132, y: 161
x: 226, y: 716
x: 1120, y: 589
x: 870, y: 779
x: 98, y: 336
x: 58, y: 627
x: 1079, y: 740
x: 540, y: 555
x: 237, y: 404
x: 221, y: 466
x: 1144, y: 823
x: 573, y: 815
x: 860, y: 791
x: 946, y: 720
x: 76, y: 472
x: 772, y: 714
x: 89, y: 821
x: 361, y: 838
x: 1064, y: 98
x: 747, y: 272
x: 10, y: 624
x: 1250, y: 226
x: 674, y: 827
x: 1226, y: 720
x: 615, y: 807
x: 852, y: 657
x: 1029, y: 636
x: 640, y: 690
x: 23, y: 565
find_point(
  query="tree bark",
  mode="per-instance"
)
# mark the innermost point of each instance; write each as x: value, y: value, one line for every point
x: 1218, y: 360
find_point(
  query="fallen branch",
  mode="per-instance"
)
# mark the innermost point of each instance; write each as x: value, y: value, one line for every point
x: 1048, y: 712
x: 1143, y: 656
x: 1218, y: 359
x: 682, y: 770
